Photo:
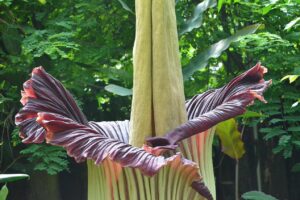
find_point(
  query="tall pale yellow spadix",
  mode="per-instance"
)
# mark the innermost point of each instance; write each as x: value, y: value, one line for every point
x: 158, y: 106
x: 158, y: 95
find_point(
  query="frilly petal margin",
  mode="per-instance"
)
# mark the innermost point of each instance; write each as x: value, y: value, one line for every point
x: 51, y: 113
x: 43, y: 93
x: 82, y: 142
x: 210, y: 108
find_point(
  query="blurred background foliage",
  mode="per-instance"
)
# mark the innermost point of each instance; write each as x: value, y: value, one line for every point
x: 88, y: 46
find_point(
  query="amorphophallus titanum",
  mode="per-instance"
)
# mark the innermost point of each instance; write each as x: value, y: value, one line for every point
x: 50, y: 113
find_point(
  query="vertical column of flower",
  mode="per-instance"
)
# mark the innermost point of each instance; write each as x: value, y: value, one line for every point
x: 158, y: 95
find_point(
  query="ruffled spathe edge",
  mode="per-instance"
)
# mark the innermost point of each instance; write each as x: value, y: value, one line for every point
x: 212, y: 107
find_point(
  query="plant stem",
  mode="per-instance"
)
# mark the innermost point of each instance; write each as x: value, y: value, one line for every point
x: 237, y: 170
x: 236, y: 179
x: 258, y: 174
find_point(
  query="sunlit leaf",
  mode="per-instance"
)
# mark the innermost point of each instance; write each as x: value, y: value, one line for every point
x: 291, y: 78
x: 295, y: 103
x: 3, y: 193
x: 265, y: 10
x: 232, y: 144
x: 42, y: 1
x: 4, y: 178
x: 292, y: 23
x: 220, y: 4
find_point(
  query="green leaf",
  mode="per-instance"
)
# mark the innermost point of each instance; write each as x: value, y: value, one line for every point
x: 220, y: 4
x: 292, y: 23
x: 251, y: 114
x: 294, y: 36
x: 4, y: 178
x: 51, y: 159
x: 292, y: 118
x: 284, y: 140
x: 275, y: 120
x: 215, y: 50
x: 295, y: 104
x: 5, y: 2
x: 196, y: 20
x: 12, y: 40
x: 4, y: 99
x: 257, y: 195
x: 297, y: 143
x: 42, y: 1
x: 294, y: 129
x: 3, y: 193
x: 60, y: 45
x: 266, y: 130
x: 296, y: 168
x: 272, y: 132
x: 230, y: 137
x: 291, y: 78
x: 115, y: 89
x: 125, y: 6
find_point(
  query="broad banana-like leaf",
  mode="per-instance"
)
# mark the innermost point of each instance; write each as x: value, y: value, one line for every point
x: 4, y: 178
x: 196, y: 20
x: 215, y: 50
x: 50, y: 113
x: 119, y: 90
x: 125, y: 6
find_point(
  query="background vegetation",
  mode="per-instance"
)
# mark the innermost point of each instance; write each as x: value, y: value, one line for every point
x: 87, y: 44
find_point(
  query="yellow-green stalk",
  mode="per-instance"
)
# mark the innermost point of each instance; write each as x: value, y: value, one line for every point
x: 158, y: 95
x: 157, y: 107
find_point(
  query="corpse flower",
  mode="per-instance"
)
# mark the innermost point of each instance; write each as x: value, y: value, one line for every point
x: 50, y: 113
x: 165, y: 151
